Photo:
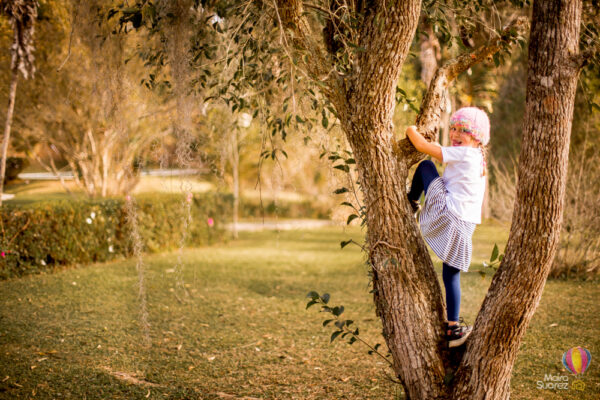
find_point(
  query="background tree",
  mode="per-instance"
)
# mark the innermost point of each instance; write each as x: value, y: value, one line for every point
x: 22, y: 15
x: 87, y: 112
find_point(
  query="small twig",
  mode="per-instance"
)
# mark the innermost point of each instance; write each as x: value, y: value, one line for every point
x: 370, y: 347
x: 70, y: 38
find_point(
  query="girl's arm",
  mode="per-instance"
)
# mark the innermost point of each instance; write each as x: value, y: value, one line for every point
x: 422, y: 145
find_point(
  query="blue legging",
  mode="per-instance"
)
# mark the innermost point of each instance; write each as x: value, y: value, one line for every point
x: 451, y: 277
x: 424, y: 175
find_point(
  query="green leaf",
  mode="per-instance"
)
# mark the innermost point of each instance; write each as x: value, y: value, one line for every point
x: 496, y: 58
x: 325, y: 298
x: 326, y: 322
x: 352, y: 340
x: 339, y: 324
x: 342, y: 167
x: 313, y: 295
x: 310, y: 304
x: 351, y: 218
x: 334, y: 335
x: 341, y: 190
x: 345, y: 243
x: 345, y: 203
x: 325, y: 121
x: 494, y: 253
x: 337, y: 310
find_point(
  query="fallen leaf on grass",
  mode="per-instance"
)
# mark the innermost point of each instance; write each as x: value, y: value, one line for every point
x: 124, y: 376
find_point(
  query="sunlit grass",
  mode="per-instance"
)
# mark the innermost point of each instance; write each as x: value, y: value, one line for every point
x: 29, y: 191
x: 245, y: 331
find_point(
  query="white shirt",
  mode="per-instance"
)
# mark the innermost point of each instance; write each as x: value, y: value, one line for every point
x: 464, y: 181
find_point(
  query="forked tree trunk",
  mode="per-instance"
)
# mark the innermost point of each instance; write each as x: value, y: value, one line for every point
x: 517, y: 286
x: 406, y: 291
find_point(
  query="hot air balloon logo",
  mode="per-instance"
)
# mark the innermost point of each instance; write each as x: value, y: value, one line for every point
x: 577, y: 360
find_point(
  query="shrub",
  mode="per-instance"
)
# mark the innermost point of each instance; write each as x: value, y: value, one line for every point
x: 283, y: 209
x: 45, y: 235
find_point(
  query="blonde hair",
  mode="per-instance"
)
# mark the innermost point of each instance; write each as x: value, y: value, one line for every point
x: 484, y: 154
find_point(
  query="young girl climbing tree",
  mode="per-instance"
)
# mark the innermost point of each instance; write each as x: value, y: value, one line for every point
x: 452, y: 202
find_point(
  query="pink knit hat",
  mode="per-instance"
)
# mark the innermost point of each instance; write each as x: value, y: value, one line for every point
x: 473, y: 121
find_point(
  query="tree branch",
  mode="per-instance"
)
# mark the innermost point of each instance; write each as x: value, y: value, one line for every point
x: 291, y: 16
x: 431, y: 107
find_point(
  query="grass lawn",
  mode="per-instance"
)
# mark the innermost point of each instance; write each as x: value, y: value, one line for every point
x: 244, y: 332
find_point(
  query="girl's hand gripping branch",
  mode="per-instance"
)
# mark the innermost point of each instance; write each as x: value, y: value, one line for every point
x: 422, y: 145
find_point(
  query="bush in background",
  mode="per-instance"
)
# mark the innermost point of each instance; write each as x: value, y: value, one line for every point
x: 44, y: 235
x: 283, y: 209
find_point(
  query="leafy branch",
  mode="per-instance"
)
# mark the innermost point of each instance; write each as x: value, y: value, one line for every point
x: 343, y: 329
x: 494, y: 262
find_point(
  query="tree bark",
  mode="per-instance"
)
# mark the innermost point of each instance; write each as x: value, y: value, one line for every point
x: 12, y: 94
x: 517, y: 286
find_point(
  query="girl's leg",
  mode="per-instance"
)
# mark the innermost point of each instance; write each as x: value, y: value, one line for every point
x: 451, y: 277
x: 424, y: 175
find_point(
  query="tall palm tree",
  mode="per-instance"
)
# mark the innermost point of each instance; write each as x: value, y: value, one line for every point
x: 22, y: 15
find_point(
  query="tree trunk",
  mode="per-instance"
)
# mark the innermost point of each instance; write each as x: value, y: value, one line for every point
x: 517, y: 287
x: 407, y: 294
x: 12, y: 94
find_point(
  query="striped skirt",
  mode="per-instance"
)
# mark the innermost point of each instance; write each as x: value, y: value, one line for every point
x: 448, y: 236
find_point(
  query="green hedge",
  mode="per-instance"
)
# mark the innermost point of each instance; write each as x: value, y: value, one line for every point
x: 45, y: 235
x: 283, y: 209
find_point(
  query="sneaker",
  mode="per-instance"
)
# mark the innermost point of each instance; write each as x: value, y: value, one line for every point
x: 457, y: 334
